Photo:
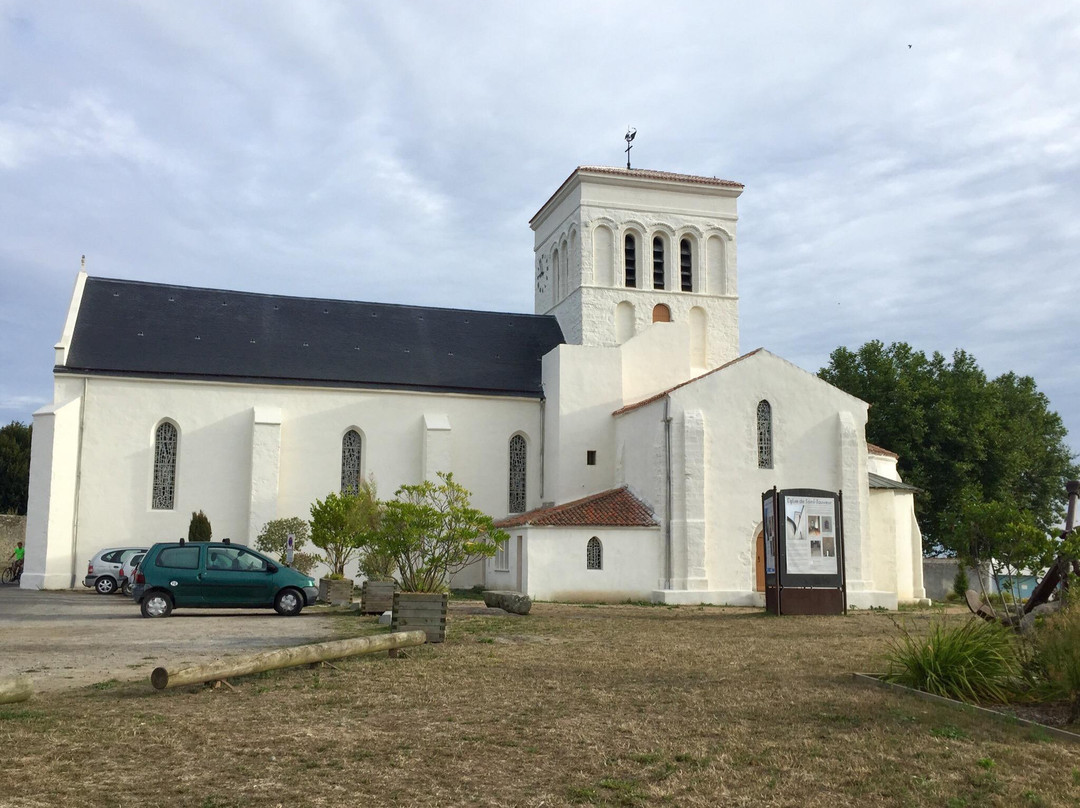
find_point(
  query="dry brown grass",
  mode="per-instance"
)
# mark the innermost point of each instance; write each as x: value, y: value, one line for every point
x: 611, y: 705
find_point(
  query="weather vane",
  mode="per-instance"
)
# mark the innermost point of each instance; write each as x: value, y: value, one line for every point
x: 630, y: 132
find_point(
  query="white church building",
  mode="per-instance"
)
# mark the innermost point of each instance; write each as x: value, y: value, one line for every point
x: 617, y: 434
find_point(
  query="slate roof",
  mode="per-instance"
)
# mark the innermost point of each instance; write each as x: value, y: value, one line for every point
x: 614, y: 508
x: 877, y: 481
x: 132, y: 328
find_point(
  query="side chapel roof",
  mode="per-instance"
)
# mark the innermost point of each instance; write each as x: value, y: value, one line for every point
x: 153, y: 330
x: 614, y: 508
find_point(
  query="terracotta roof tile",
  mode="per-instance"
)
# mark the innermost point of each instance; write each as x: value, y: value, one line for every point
x: 872, y: 449
x: 660, y: 175
x: 614, y: 508
x: 644, y: 173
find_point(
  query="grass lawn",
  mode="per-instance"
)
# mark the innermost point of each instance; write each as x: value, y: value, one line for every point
x: 572, y: 705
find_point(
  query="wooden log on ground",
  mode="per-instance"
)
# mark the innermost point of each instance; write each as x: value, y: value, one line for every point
x: 17, y: 689
x: 285, y: 658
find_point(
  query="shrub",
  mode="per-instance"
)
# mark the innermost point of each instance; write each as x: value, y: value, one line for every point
x: 274, y: 540
x: 199, y: 527
x: 344, y: 524
x: 973, y: 662
x: 432, y: 531
x: 1058, y: 644
x: 960, y: 584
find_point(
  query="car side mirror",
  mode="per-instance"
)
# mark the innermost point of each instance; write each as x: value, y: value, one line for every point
x: 270, y: 568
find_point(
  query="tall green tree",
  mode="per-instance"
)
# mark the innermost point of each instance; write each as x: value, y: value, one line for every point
x: 961, y: 437
x: 14, y: 467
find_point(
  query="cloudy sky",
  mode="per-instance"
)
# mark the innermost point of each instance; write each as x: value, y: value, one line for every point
x: 912, y: 169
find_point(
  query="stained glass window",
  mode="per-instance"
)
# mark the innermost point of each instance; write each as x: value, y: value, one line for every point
x: 350, y: 462
x: 165, y: 445
x: 764, y: 435
x: 594, y: 554
x: 518, y: 457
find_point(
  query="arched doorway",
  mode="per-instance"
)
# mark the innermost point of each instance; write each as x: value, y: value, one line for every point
x: 759, y: 561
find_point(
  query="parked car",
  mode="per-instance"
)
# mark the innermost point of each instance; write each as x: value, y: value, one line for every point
x: 214, y: 575
x: 127, y: 572
x: 103, y: 571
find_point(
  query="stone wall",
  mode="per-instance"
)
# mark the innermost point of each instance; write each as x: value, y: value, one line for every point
x: 12, y: 530
x: 939, y: 574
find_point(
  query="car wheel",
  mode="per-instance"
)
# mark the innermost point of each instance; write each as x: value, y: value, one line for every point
x: 156, y: 604
x: 288, y: 602
x: 105, y: 585
x: 125, y: 590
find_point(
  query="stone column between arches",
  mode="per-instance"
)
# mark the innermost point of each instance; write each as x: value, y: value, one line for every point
x: 688, y: 502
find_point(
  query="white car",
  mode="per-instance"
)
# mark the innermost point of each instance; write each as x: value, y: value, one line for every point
x: 127, y: 572
x: 103, y: 571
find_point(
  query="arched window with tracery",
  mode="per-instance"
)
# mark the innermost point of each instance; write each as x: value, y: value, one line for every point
x: 764, y: 435
x: 630, y: 259
x: 686, y: 265
x: 657, y: 262
x: 516, y: 483
x: 594, y: 554
x: 166, y: 444
x: 350, y: 462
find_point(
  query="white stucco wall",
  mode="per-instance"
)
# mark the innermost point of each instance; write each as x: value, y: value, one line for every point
x: 571, y: 284
x: 229, y: 437
x: 808, y: 452
x: 557, y: 570
x: 51, y: 530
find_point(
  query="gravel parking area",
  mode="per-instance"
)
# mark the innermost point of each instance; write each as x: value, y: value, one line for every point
x: 71, y: 639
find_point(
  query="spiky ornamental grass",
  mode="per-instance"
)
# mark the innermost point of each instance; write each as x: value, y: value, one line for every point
x: 1058, y: 644
x: 975, y: 662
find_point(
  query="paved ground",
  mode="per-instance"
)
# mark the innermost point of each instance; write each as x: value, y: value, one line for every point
x: 72, y: 639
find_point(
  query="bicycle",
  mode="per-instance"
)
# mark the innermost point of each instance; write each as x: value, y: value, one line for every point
x: 11, y: 574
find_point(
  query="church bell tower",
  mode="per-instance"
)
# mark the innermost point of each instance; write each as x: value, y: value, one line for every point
x: 617, y: 250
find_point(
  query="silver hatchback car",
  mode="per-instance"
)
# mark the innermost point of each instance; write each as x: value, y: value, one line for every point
x: 103, y: 571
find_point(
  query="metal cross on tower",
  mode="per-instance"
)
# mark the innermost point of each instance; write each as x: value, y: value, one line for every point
x: 630, y: 132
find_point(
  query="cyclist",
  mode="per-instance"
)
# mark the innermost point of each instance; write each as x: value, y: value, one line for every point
x: 18, y: 556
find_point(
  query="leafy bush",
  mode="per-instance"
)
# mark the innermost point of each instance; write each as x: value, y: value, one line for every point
x: 199, y: 527
x: 960, y: 584
x: 1058, y: 643
x: 973, y: 662
x: 344, y: 524
x: 431, y: 531
x: 274, y: 540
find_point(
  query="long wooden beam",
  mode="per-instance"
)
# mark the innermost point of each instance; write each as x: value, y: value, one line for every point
x: 18, y: 688
x: 161, y: 678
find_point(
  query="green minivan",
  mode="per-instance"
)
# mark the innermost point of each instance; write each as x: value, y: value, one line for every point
x: 215, y: 575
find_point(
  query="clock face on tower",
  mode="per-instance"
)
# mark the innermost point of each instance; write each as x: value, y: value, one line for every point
x: 541, y: 277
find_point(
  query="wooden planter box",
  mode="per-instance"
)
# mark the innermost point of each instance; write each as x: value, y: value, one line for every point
x: 377, y: 597
x: 420, y: 610
x: 335, y: 592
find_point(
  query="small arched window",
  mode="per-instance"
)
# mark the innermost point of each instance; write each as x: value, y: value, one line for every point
x: 594, y: 554
x: 350, y: 462
x: 661, y: 313
x: 166, y: 443
x: 686, y: 265
x: 764, y: 435
x: 630, y: 259
x: 657, y: 262
x: 516, y: 485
